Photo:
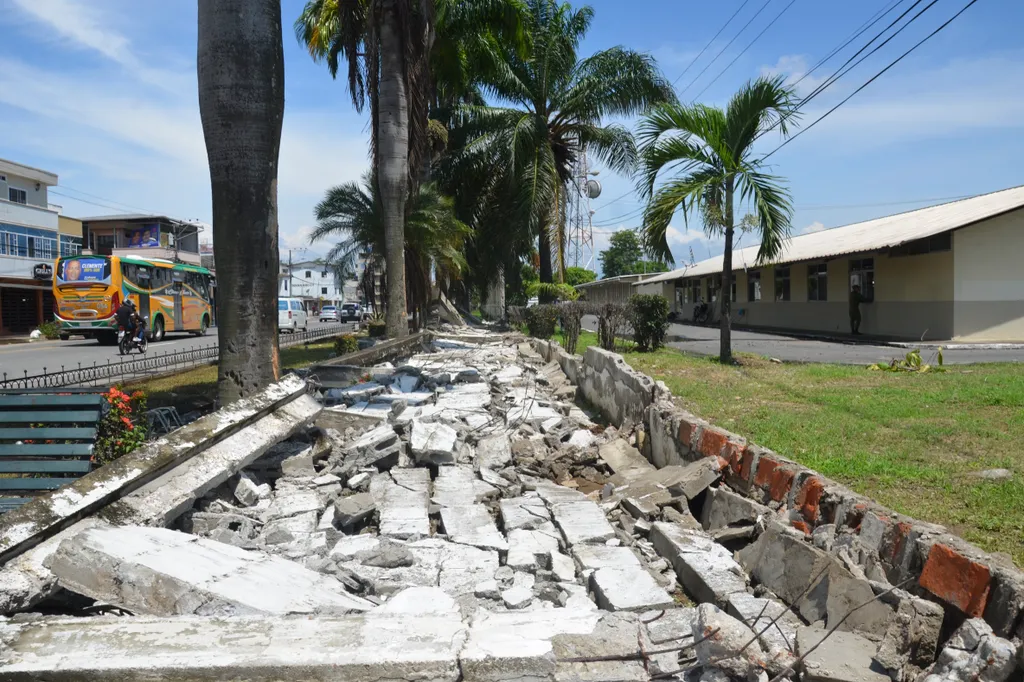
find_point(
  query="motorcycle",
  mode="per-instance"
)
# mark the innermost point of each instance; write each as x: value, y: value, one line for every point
x: 127, y: 342
x: 701, y: 313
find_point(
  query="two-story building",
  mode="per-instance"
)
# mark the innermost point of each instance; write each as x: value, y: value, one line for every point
x: 32, y: 235
x: 145, y: 236
x: 313, y: 282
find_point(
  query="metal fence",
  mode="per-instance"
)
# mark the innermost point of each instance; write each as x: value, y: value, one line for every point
x: 127, y: 368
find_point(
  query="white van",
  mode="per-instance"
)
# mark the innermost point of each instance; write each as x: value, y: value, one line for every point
x: 291, y: 315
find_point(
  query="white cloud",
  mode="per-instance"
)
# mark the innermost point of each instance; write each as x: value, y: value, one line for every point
x: 813, y: 227
x: 794, y: 67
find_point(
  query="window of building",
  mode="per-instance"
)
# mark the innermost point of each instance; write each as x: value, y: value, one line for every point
x: 714, y: 286
x: 285, y: 282
x: 308, y: 274
x: 754, y: 285
x: 817, y: 282
x: 781, y: 284
x: 323, y: 290
x: 18, y: 196
x: 918, y: 247
x: 70, y: 246
x: 323, y: 274
x: 862, y: 274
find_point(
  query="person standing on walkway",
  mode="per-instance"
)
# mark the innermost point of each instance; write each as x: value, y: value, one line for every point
x: 856, y: 298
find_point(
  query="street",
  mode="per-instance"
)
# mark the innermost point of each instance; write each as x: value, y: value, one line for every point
x: 704, y: 341
x: 50, y: 356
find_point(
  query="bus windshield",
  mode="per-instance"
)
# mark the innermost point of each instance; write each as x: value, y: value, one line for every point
x: 85, y: 270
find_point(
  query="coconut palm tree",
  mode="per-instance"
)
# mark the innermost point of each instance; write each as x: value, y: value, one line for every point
x: 353, y: 213
x: 712, y: 153
x: 240, y: 62
x: 553, y: 105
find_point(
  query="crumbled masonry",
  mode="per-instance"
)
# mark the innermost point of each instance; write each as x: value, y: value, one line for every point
x: 489, y: 508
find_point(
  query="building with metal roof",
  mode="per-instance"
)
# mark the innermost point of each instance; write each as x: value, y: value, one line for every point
x: 950, y: 271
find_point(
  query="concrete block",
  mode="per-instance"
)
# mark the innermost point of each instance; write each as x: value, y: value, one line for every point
x: 162, y: 572
x: 842, y: 657
x: 245, y: 489
x: 778, y: 639
x: 378, y: 448
x: 352, y: 510
x: 459, y: 486
x: 724, y: 508
x: 788, y: 566
x: 493, y: 452
x: 472, y: 525
x: 582, y: 522
x: 628, y: 588
x: 912, y: 637
x: 531, y: 550
x: 720, y: 642
x: 624, y: 460
x: 358, y: 648
x: 432, y: 443
x: 705, y: 569
x: 402, y: 498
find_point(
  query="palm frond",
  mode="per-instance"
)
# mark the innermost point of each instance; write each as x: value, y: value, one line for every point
x: 685, y: 194
x: 772, y: 207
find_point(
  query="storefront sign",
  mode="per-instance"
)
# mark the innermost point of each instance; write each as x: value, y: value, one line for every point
x: 142, y: 237
x: 42, y: 271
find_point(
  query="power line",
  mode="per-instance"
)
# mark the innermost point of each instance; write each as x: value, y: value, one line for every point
x: 743, y: 51
x: 86, y: 201
x: 872, y: 79
x: 713, y: 38
x: 96, y: 196
x: 727, y: 45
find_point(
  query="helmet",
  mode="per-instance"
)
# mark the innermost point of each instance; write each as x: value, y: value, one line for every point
x: 131, y: 302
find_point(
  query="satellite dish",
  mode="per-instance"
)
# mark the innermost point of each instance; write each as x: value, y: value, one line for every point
x: 593, y: 189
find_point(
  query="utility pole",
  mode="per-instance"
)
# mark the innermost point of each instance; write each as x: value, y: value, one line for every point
x: 290, y: 285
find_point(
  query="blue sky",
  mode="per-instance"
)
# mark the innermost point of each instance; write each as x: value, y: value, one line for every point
x: 103, y: 93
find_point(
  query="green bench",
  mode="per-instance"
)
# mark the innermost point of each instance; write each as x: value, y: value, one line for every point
x: 61, y: 425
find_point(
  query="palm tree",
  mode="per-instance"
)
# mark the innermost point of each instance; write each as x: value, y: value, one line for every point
x: 354, y: 213
x: 554, y: 103
x: 240, y: 63
x: 712, y: 150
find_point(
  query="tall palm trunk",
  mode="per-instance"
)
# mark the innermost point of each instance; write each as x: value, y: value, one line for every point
x: 544, y: 251
x: 240, y: 62
x: 393, y: 162
x: 725, y: 350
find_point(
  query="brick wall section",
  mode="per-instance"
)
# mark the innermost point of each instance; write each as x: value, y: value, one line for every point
x: 959, y: 575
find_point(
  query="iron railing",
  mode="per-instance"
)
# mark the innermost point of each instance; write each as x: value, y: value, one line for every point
x: 127, y: 368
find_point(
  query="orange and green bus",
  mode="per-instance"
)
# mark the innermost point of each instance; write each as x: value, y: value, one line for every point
x: 171, y: 297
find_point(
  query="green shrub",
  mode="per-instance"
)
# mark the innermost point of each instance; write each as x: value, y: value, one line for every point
x: 345, y: 344
x: 50, y: 330
x: 123, y: 428
x: 571, y: 319
x: 611, y: 318
x: 554, y: 292
x: 648, y: 314
x: 541, y: 321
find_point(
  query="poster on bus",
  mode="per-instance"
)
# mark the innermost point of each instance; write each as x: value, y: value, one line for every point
x: 143, y: 236
x: 84, y: 270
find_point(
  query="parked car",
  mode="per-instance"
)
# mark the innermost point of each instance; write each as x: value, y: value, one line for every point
x: 291, y: 315
x: 329, y: 313
x: 350, y: 312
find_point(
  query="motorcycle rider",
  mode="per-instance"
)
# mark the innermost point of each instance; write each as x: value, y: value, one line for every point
x: 129, y: 319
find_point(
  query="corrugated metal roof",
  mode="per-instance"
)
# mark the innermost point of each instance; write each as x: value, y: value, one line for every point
x: 619, y: 278
x: 880, y: 233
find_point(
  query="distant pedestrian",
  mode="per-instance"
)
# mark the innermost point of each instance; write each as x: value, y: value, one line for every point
x: 856, y: 298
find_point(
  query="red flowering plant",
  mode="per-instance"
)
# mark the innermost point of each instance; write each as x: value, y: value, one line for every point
x: 123, y: 427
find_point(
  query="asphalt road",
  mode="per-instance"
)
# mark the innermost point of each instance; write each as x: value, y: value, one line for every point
x: 704, y: 341
x: 51, y: 356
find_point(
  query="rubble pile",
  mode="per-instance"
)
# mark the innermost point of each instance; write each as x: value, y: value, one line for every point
x: 457, y: 515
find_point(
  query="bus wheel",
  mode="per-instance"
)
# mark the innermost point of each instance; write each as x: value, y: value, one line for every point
x: 158, y: 329
x: 64, y: 337
x: 204, y: 324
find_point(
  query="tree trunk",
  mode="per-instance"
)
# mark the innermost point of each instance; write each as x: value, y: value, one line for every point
x: 544, y: 250
x: 393, y: 163
x: 725, y: 351
x: 240, y: 63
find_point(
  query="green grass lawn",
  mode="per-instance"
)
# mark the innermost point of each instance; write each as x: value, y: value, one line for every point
x: 199, y: 386
x: 910, y: 441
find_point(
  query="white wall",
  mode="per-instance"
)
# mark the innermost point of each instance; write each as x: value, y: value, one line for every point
x: 988, y: 285
x: 35, y: 197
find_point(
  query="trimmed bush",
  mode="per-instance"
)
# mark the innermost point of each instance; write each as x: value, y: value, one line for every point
x: 50, y: 330
x: 648, y: 314
x: 345, y: 344
x: 611, y: 320
x: 571, y: 318
x: 541, y: 321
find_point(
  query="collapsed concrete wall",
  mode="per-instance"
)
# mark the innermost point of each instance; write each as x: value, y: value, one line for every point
x: 813, y: 514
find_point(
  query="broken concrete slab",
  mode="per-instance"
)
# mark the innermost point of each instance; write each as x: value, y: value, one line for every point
x: 774, y: 624
x: 246, y: 490
x: 459, y: 486
x: 472, y: 525
x: 912, y: 638
x: 726, y: 643
x: 493, y: 452
x: 402, y: 497
x: 353, y: 510
x: 974, y: 653
x: 724, y: 508
x: 628, y: 588
x: 528, y: 645
x: 341, y: 418
x: 582, y: 522
x: 162, y: 572
x: 705, y: 569
x: 360, y: 648
x: 624, y: 460
x: 292, y: 502
x: 531, y: 550
x: 432, y: 443
x: 378, y: 448
x: 841, y: 657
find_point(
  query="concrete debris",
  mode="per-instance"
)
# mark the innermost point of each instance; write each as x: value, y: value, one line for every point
x: 839, y: 657
x: 493, y: 452
x: 726, y: 643
x: 776, y: 627
x: 706, y: 570
x: 353, y: 510
x: 432, y: 443
x: 973, y: 653
x: 402, y: 499
x: 165, y: 573
x: 911, y: 640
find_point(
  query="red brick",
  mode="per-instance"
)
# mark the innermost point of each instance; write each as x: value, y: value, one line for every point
x: 801, y: 526
x: 809, y: 497
x: 782, y: 481
x: 900, y: 534
x: 687, y: 432
x: 735, y: 453
x: 957, y: 580
x: 712, y: 442
x: 747, y: 465
x: 766, y: 467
